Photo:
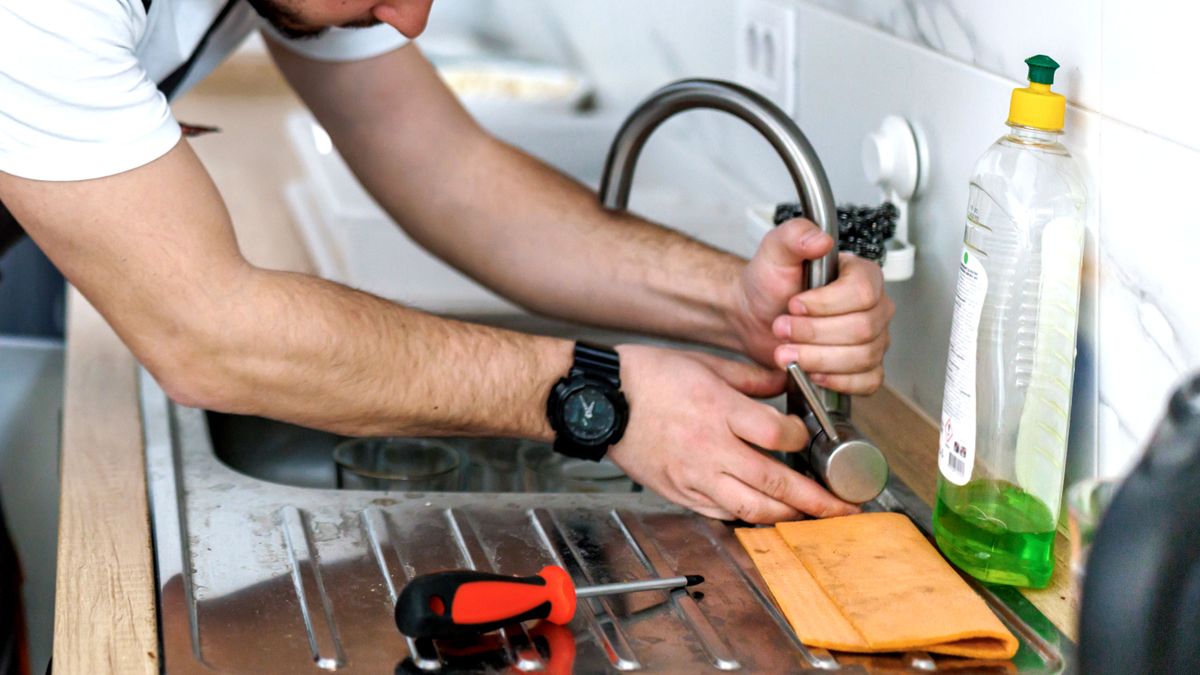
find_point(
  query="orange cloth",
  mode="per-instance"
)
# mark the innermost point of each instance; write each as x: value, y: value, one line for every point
x: 873, y: 583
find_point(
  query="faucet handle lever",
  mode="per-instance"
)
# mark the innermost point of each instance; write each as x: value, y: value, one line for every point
x: 809, y: 392
x: 847, y: 463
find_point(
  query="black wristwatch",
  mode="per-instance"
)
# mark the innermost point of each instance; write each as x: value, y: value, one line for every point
x: 586, y: 408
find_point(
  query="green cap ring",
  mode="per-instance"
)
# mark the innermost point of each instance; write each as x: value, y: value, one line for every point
x: 1041, y: 69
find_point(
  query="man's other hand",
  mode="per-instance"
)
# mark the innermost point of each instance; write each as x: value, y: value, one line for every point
x: 838, y: 333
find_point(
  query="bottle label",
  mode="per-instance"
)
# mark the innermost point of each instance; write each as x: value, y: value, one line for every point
x: 956, y: 449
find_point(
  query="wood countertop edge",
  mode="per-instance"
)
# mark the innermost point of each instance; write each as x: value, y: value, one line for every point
x: 909, y: 440
x: 105, y: 615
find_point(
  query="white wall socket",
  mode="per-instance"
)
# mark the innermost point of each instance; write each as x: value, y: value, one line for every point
x: 766, y: 50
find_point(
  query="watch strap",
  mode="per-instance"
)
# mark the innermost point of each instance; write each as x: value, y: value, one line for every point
x: 597, y: 360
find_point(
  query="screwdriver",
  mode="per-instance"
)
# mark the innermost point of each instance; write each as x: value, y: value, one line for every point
x: 464, y: 603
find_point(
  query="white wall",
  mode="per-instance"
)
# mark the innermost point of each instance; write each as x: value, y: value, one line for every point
x: 948, y: 66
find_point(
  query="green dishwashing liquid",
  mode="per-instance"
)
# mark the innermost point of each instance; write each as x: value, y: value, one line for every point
x: 995, y: 531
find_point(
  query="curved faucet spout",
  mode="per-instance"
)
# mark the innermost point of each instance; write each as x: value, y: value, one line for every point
x: 812, y: 186
x: 849, y: 465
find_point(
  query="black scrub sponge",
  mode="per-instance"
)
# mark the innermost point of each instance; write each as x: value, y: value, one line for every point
x: 862, y: 230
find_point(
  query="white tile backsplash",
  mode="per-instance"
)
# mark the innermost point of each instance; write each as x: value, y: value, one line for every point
x: 949, y: 66
x: 1149, y: 67
x: 997, y: 36
x: 1131, y: 61
x: 1149, y: 323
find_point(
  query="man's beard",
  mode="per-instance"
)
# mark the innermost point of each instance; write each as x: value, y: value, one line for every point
x: 285, y: 20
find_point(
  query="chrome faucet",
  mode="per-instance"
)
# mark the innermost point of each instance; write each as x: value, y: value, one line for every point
x: 849, y: 465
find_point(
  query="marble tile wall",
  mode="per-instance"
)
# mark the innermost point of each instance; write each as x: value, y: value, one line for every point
x: 948, y: 66
x: 1127, y: 60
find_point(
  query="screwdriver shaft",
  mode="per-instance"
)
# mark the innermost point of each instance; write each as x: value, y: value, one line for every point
x: 635, y: 586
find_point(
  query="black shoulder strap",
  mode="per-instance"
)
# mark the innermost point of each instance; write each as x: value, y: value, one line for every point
x: 172, y: 81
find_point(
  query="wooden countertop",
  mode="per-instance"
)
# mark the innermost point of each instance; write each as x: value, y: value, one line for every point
x: 104, y: 608
x: 105, y: 614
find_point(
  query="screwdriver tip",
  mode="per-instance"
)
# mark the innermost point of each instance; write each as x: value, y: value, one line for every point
x: 693, y: 579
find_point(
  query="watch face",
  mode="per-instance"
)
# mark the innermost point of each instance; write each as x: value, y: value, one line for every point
x: 589, y: 414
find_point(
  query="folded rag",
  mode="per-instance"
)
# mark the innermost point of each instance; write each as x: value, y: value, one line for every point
x: 873, y: 583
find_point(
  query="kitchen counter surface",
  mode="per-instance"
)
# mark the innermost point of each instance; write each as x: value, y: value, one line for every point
x: 105, y: 617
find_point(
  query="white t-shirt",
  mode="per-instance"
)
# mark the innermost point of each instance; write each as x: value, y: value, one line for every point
x: 79, y: 93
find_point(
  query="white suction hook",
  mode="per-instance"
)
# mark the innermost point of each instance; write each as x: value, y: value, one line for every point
x: 891, y: 160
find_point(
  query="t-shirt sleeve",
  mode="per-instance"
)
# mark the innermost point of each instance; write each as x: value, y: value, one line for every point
x: 341, y: 44
x: 75, y: 102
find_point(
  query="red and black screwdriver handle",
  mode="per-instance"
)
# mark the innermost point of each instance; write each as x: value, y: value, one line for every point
x: 466, y: 603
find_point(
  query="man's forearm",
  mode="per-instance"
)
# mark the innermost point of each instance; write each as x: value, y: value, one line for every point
x: 163, y: 267
x: 315, y: 353
x: 542, y: 240
x: 506, y: 219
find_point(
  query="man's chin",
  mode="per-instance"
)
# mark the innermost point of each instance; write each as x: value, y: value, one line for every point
x: 286, y: 21
x: 298, y: 33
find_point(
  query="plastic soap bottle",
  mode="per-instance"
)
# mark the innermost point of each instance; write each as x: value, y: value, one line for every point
x: 1005, y: 413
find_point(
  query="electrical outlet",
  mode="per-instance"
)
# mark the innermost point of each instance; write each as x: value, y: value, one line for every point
x: 766, y: 50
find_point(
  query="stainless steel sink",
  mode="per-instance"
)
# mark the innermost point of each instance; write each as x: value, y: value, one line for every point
x: 287, y: 454
x: 263, y: 567
x: 273, y: 451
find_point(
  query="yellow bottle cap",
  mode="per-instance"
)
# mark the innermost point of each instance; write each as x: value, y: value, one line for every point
x: 1036, y: 106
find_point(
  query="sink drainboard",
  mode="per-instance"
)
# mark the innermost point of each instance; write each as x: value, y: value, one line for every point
x: 255, y: 576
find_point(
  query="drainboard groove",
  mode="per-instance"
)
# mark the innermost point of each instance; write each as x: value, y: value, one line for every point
x: 385, y: 548
x: 718, y: 652
x: 610, y: 636
x: 518, y: 646
x: 323, y: 639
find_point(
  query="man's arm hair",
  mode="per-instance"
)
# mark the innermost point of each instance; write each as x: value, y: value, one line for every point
x: 153, y: 249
